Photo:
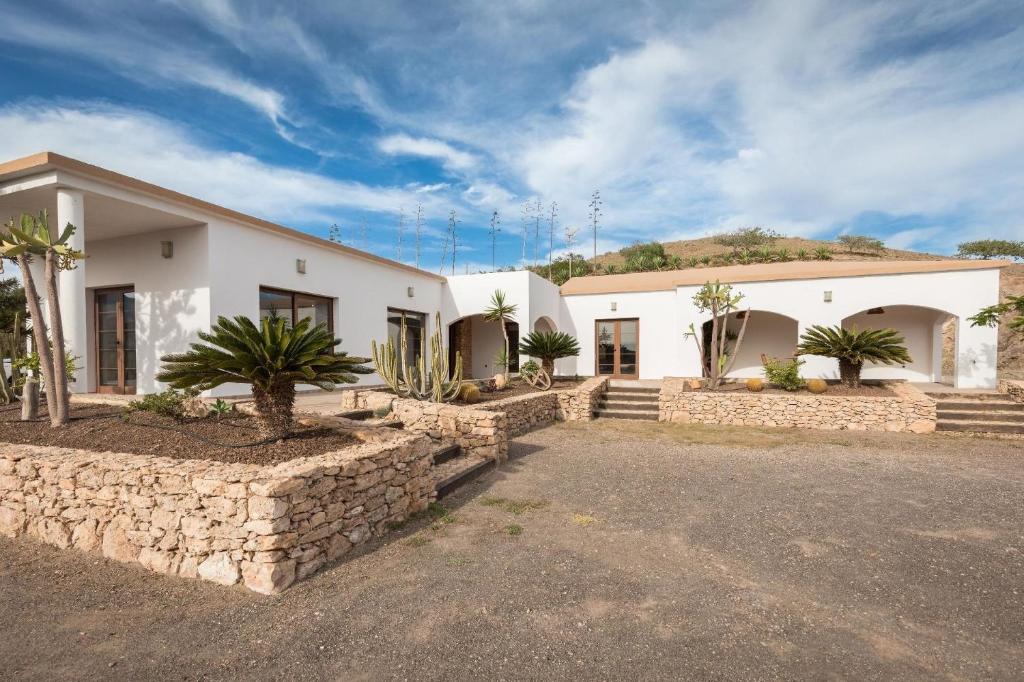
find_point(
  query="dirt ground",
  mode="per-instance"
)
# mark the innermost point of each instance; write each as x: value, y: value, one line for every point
x: 232, y: 438
x: 606, y: 550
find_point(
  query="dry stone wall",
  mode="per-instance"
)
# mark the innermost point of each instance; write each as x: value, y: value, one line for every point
x: 579, y: 403
x: 1014, y: 389
x: 909, y: 410
x: 262, y: 526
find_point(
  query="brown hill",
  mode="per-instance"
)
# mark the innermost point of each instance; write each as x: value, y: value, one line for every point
x: 1011, y: 343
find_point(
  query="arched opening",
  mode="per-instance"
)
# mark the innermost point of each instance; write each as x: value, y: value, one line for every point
x: 930, y: 336
x: 544, y: 324
x: 767, y: 333
x: 480, y: 341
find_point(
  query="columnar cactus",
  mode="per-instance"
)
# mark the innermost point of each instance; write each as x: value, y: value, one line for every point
x: 416, y: 382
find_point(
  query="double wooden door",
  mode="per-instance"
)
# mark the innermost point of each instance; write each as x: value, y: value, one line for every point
x: 618, y: 348
x: 114, y: 318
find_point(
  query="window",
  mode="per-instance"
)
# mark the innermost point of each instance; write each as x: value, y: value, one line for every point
x: 415, y: 328
x: 293, y: 306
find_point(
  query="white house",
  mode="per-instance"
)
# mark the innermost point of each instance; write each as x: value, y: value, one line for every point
x: 163, y: 266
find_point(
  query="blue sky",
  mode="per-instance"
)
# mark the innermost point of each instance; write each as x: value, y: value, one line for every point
x: 904, y: 120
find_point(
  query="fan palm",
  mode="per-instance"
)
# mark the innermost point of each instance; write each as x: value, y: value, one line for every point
x: 853, y: 348
x: 501, y: 311
x: 549, y: 346
x: 271, y: 359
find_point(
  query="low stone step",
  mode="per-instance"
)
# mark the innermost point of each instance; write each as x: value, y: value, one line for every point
x: 986, y: 416
x: 634, y: 389
x: 979, y: 426
x: 979, y: 405
x: 626, y: 414
x: 620, y: 406
x: 356, y: 414
x: 446, y: 453
x: 632, y: 397
x: 457, y: 472
x: 952, y: 395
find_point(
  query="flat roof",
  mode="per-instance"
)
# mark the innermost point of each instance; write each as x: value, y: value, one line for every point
x: 44, y: 161
x: 763, y: 272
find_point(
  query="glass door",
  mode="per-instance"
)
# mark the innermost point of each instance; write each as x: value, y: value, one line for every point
x: 115, y: 340
x: 618, y: 348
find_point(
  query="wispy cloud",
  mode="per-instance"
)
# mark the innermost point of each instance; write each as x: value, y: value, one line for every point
x: 398, y: 145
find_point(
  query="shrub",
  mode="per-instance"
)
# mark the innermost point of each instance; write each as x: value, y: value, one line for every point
x: 784, y: 373
x: 168, y: 403
x: 801, y: 254
x: 746, y: 238
x: 817, y: 385
x: 823, y: 253
x: 469, y: 393
x: 991, y: 248
x: 755, y: 385
x: 643, y: 250
x: 856, y: 243
x: 854, y: 348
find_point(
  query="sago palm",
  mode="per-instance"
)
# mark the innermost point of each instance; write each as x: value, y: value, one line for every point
x: 271, y: 359
x: 853, y: 348
x: 549, y: 346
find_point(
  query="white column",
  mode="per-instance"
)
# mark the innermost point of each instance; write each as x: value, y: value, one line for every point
x: 71, y: 287
x: 976, y: 352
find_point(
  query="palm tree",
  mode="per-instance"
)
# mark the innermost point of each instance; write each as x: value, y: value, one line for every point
x: 853, y: 348
x: 32, y: 237
x: 271, y: 358
x: 549, y: 346
x: 500, y: 311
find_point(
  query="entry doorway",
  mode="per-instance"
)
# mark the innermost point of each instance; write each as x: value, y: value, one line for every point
x: 114, y: 317
x: 618, y: 348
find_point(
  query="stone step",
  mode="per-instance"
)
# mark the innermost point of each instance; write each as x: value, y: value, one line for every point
x: 356, y: 414
x: 630, y: 397
x: 979, y: 426
x: 625, y: 406
x: 447, y: 453
x: 457, y: 472
x: 952, y: 395
x: 634, y: 389
x: 986, y: 416
x: 626, y: 414
x: 979, y: 405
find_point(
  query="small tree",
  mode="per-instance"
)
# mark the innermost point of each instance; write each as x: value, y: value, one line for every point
x: 747, y: 238
x: 854, y: 348
x: 990, y: 316
x: 22, y: 241
x: 718, y: 300
x: 549, y: 346
x: 503, y: 312
x: 271, y: 359
x: 856, y: 243
x: 991, y: 248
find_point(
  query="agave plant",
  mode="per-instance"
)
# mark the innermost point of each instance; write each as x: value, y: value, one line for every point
x: 853, y: 348
x: 271, y: 359
x: 823, y: 253
x: 549, y: 346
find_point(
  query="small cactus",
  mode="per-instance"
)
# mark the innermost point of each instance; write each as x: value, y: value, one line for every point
x: 755, y: 385
x: 469, y: 393
x: 817, y: 385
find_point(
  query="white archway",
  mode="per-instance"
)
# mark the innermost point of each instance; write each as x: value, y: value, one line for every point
x: 930, y: 336
x: 768, y: 333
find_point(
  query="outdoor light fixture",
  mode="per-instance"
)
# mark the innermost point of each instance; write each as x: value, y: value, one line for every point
x: 410, y: 292
x: 300, y: 266
x: 615, y: 306
x: 828, y: 297
x: 167, y: 249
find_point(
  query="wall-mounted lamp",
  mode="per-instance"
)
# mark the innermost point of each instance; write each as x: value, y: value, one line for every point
x: 615, y: 306
x: 828, y: 297
x: 410, y: 292
x: 300, y: 266
x: 167, y: 249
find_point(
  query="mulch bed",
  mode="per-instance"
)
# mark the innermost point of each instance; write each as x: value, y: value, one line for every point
x: 107, y: 428
x: 519, y: 388
x: 864, y: 390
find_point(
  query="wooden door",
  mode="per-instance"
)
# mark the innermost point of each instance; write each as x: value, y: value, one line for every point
x: 114, y: 320
x: 618, y: 348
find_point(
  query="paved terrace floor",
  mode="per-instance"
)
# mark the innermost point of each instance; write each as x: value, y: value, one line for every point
x: 614, y: 550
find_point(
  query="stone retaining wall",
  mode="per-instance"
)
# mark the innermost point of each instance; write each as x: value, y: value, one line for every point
x: 262, y: 526
x: 909, y: 410
x: 525, y: 412
x: 1014, y: 389
x: 578, y: 404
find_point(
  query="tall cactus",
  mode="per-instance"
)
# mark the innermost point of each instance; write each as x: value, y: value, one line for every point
x: 416, y: 382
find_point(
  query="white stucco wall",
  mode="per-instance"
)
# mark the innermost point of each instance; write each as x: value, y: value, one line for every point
x: 243, y: 259
x: 172, y: 295
x: 918, y: 327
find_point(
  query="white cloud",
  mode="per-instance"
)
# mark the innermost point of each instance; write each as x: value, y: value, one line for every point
x: 405, y: 145
x: 158, y: 151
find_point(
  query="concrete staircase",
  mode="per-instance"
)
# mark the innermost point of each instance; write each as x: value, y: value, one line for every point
x: 979, y: 412
x: 627, y: 401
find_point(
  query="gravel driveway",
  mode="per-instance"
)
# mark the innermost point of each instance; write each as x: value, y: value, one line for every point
x: 603, y: 550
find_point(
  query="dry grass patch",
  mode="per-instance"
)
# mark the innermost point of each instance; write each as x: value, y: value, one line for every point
x: 583, y: 520
x: 516, y: 507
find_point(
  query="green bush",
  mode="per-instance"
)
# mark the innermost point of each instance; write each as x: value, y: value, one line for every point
x: 168, y: 403
x: 30, y: 363
x: 784, y: 373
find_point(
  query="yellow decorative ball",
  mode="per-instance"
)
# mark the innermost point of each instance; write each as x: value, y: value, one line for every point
x: 817, y: 385
x: 755, y: 385
x: 469, y: 393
